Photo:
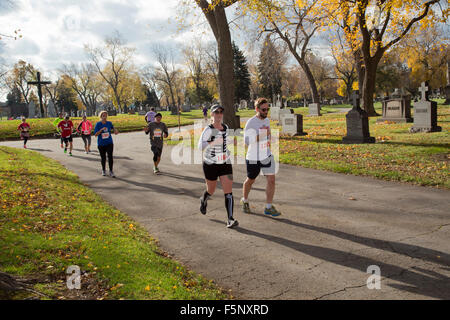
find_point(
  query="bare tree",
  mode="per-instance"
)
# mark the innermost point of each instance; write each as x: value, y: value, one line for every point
x: 165, y: 73
x: 85, y: 81
x: 110, y: 61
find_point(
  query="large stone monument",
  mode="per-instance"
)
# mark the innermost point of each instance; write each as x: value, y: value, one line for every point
x: 282, y: 112
x: 314, y: 109
x: 278, y: 103
x: 397, y: 108
x: 425, y: 113
x: 275, y: 113
x: 51, y: 110
x: 186, y: 108
x: 173, y: 110
x: 292, y: 124
x: 357, y: 124
x: 31, y: 110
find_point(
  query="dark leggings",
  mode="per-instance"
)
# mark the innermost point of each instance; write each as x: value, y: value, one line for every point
x: 86, y: 139
x: 108, y: 149
x: 25, y: 139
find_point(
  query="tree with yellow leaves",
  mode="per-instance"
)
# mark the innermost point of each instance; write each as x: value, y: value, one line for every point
x: 373, y: 27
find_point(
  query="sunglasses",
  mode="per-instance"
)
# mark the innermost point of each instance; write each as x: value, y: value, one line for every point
x: 265, y: 109
x: 218, y: 111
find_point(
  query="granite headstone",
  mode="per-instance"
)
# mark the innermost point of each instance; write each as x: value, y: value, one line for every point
x: 357, y: 124
x: 314, y: 109
x: 425, y: 113
x: 292, y: 124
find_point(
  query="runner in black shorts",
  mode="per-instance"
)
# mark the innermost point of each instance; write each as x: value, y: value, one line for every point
x: 216, y: 163
x: 158, y: 131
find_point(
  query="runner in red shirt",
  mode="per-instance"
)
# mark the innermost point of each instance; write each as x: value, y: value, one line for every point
x: 24, y: 128
x: 66, y: 128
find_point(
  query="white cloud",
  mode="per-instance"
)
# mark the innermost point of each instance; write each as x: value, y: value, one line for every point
x: 55, y: 31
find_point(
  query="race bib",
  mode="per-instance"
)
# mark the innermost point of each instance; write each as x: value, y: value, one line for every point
x: 105, y: 135
x: 86, y: 132
x: 264, y: 146
x: 157, y: 133
x: 221, y: 158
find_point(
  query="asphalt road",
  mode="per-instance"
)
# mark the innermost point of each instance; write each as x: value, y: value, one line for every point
x: 333, y: 227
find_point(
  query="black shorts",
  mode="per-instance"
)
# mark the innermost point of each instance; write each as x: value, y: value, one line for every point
x: 67, y: 139
x: 254, y: 167
x: 213, y: 171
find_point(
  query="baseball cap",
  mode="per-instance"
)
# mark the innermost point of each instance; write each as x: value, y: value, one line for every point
x: 216, y: 107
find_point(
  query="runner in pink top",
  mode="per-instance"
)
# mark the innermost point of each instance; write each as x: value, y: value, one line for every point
x: 85, y: 128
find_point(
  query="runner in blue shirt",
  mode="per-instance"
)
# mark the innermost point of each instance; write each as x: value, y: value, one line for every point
x: 103, y: 130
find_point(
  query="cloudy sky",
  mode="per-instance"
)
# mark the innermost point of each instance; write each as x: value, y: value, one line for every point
x: 54, y: 31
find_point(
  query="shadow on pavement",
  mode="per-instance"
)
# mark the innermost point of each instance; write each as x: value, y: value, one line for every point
x: 432, y: 285
x: 409, y: 250
x: 162, y: 189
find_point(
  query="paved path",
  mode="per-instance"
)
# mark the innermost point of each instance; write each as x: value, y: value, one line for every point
x: 320, y: 248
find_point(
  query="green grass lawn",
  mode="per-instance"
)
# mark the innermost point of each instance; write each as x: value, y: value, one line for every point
x: 123, y: 122
x: 420, y: 158
x: 49, y: 220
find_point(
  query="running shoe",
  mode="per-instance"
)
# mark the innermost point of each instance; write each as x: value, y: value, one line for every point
x: 103, y: 173
x: 65, y: 150
x: 25, y: 146
x: 203, y: 205
x: 232, y: 223
x: 245, y: 206
x: 272, y: 212
x: 111, y: 174
x: 70, y: 153
x: 86, y: 152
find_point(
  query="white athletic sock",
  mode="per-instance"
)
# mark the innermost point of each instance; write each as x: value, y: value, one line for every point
x: 244, y: 200
x: 268, y: 205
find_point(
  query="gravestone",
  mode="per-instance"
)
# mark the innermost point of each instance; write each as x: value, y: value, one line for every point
x: 51, y: 111
x: 243, y: 104
x: 396, y: 109
x: 282, y: 112
x: 425, y: 113
x: 314, y: 109
x: 275, y: 114
x: 292, y: 124
x: 31, y: 110
x: 173, y: 110
x: 292, y: 104
x: 278, y: 102
x: 357, y: 124
x: 186, y: 108
x: 112, y: 112
x: 142, y: 112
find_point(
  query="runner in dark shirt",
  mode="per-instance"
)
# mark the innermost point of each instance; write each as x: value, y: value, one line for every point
x: 158, y: 131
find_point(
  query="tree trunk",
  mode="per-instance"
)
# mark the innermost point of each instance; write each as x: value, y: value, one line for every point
x: 312, y: 82
x: 368, y: 87
x: 226, y: 67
